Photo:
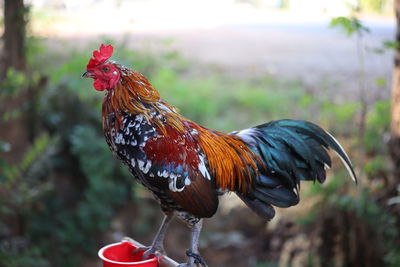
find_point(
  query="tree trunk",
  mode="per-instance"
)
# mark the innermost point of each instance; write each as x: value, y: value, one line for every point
x: 14, y: 36
x: 14, y: 131
x: 395, y: 120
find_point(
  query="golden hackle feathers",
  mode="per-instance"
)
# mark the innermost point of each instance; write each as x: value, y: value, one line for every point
x: 135, y: 95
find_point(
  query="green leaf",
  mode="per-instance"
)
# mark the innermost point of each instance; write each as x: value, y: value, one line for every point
x: 350, y: 25
x: 391, y: 45
x: 380, y: 81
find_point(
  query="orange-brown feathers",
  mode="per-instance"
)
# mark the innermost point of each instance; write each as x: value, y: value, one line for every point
x: 230, y: 160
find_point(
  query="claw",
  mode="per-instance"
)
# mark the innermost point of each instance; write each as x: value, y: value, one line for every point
x: 148, y: 251
x: 153, y: 251
x: 157, y: 247
x: 140, y: 249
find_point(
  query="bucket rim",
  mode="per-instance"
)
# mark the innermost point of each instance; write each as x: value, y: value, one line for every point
x: 102, y: 257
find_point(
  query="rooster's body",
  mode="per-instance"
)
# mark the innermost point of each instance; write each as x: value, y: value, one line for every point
x: 186, y: 166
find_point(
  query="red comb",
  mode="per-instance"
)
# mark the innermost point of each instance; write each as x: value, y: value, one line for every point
x: 100, y: 56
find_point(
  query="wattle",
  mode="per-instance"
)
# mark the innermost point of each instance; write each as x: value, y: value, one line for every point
x: 99, y: 85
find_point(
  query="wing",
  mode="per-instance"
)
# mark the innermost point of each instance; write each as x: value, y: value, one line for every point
x: 179, y: 169
x: 170, y: 162
x: 198, y: 198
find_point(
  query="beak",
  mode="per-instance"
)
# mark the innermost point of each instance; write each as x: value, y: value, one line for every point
x: 88, y: 74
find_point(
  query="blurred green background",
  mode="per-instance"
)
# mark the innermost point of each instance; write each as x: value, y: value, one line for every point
x: 227, y: 65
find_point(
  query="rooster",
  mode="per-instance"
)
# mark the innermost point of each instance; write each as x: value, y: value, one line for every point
x: 187, y: 166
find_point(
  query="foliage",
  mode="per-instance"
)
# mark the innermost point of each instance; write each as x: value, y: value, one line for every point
x: 367, y: 213
x: 395, y: 200
x: 67, y: 152
x: 378, y: 120
x: 350, y: 25
x: 371, y: 213
x: 373, y: 5
x: 14, y: 84
x: 391, y: 45
x: 13, y: 253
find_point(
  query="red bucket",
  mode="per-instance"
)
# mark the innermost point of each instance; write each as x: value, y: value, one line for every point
x: 121, y: 254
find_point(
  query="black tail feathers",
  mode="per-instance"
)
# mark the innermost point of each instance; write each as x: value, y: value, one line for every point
x: 292, y: 151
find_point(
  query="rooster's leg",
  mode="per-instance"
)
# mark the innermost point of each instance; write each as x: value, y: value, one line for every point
x: 193, y: 252
x: 157, y: 246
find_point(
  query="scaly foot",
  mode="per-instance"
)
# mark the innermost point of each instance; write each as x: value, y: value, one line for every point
x: 194, y: 260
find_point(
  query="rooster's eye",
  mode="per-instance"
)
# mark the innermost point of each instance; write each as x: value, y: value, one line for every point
x: 106, y: 69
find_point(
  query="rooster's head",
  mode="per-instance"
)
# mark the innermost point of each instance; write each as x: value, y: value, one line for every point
x: 105, y: 73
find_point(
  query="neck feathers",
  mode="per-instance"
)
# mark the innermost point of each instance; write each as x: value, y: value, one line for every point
x: 135, y: 95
